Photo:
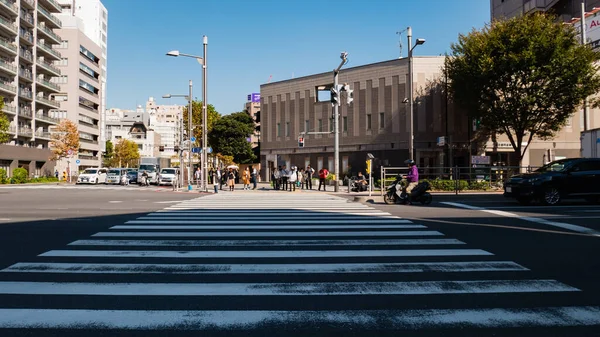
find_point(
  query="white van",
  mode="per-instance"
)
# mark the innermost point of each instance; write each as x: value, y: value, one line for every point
x: 92, y: 176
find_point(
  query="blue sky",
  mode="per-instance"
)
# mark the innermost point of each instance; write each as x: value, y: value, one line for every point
x: 248, y: 41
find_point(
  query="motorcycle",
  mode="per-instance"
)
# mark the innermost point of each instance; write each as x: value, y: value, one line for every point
x: 395, y: 193
x: 124, y: 180
x: 144, y: 181
x: 357, y: 185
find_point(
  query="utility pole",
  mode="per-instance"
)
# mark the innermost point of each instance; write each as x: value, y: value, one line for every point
x: 190, y: 113
x: 204, y: 154
x: 583, y: 42
x: 336, y: 145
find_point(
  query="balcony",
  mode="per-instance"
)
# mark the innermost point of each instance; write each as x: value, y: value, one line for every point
x: 25, y: 132
x: 47, y: 102
x: 52, y: 20
x: 26, y: 75
x: 42, y: 117
x: 28, y: 3
x: 26, y: 18
x: 50, y: 34
x: 8, y: 26
x: 25, y: 94
x: 12, y: 130
x: 49, y: 51
x: 25, y: 112
x: 8, y: 67
x: 9, y: 109
x: 43, y: 134
x: 9, y: 88
x: 52, y: 5
x: 26, y: 37
x: 48, y: 85
x: 48, y: 67
x: 9, y: 7
x: 26, y: 55
x: 9, y: 47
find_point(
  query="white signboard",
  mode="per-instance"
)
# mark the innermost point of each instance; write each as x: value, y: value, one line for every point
x: 592, y: 30
x: 480, y: 160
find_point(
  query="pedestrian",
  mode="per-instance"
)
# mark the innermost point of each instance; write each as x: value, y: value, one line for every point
x: 56, y: 174
x: 277, y: 178
x: 253, y: 177
x: 285, y: 176
x: 246, y: 178
x: 223, y: 175
x: 310, y: 172
x: 323, y: 173
x: 231, y: 180
x: 197, y: 176
x: 293, y: 178
x: 216, y: 178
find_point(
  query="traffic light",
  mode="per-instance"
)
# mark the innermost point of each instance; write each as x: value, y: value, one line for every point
x: 349, y: 93
x: 300, y: 141
x: 335, y: 97
x: 368, y: 170
x: 65, y: 175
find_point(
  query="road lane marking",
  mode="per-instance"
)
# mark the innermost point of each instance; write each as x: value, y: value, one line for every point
x: 267, y: 234
x: 115, y: 202
x: 575, y: 228
x: 285, y: 289
x: 308, y: 268
x: 254, y: 320
x: 281, y: 223
x: 255, y: 243
x: 167, y: 202
x: 266, y: 253
x: 234, y: 213
x: 282, y: 226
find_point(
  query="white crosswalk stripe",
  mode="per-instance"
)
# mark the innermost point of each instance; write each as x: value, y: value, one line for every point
x: 198, y: 253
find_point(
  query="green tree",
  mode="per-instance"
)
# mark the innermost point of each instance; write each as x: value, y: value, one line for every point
x: 229, y: 137
x: 4, y: 124
x: 211, y: 114
x: 109, y: 154
x: 126, y: 153
x: 522, y: 77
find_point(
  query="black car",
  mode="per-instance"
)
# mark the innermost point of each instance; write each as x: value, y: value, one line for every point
x: 565, y: 178
x: 133, y: 177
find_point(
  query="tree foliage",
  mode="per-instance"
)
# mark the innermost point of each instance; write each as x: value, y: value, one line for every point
x: 126, y: 154
x: 4, y: 124
x: 65, y: 137
x: 229, y: 137
x: 522, y: 77
x: 109, y: 154
x: 211, y: 114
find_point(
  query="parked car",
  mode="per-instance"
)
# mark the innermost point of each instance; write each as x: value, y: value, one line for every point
x: 168, y: 176
x: 113, y: 176
x: 132, y: 175
x: 92, y: 176
x: 558, y: 180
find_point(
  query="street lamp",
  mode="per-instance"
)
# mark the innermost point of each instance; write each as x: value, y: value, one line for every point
x: 411, y: 138
x: 189, y: 98
x: 202, y: 61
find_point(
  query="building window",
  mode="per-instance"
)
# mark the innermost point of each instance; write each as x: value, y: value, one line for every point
x: 88, y: 54
x: 345, y: 123
x: 306, y: 125
x: 61, y: 97
x: 64, y: 44
x: 381, y: 120
x: 320, y: 125
x: 287, y: 129
x: 59, y: 80
x: 368, y: 121
x: 278, y: 129
x: 63, y: 62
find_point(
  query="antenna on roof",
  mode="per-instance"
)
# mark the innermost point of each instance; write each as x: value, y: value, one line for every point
x: 400, y: 41
x: 270, y: 77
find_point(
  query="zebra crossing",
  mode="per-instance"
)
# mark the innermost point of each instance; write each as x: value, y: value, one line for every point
x: 273, y: 263
x: 88, y: 187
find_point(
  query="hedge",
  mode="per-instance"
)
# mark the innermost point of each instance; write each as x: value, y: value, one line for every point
x: 20, y: 176
x: 446, y: 185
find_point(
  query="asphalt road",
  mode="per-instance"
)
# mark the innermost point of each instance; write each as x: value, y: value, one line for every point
x: 89, y: 262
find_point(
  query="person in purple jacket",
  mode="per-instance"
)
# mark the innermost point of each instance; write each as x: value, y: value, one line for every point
x: 412, y: 178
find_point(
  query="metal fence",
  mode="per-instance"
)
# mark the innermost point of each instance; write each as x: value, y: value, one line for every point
x: 457, y: 179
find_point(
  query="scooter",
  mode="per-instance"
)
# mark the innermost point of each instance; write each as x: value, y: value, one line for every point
x: 144, y: 181
x: 124, y: 180
x: 395, y: 193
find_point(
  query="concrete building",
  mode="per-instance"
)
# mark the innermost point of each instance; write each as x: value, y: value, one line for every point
x: 377, y: 122
x: 147, y: 140
x: 94, y: 16
x: 164, y: 119
x: 252, y: 107
x: 27, y: 56
x: 80, y: 88
x: 565, y: 9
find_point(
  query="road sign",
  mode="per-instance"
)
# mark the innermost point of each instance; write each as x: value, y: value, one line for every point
x: 196, y: 150
x: 441, y: 141
x: 70, y: 152
x: 480, y: 160
x: 209, y: 150
x: 78, y: 162
x: 193, y: 139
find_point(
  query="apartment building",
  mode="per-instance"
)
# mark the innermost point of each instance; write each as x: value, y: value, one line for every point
x: 147, y: 140
x: 164, y: 120
x: 377, y: 122
x: 80, y: 88
x: 28, y: 33
x: 252, y: 107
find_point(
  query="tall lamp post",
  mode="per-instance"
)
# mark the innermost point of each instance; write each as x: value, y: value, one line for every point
x: 411, y: 139
x: 202, y: 61
x: 189, y: 98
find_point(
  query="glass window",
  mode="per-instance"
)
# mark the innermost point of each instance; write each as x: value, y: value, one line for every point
x: 382, y: 120
x: 306, y: 125
x: 368, y: 121
x: 345, y: 123
x: 278, y: 129
x: 320, y: 125
x: 287, y: 129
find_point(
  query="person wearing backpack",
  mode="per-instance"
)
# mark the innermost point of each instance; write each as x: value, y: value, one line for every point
x: 323, y: 173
